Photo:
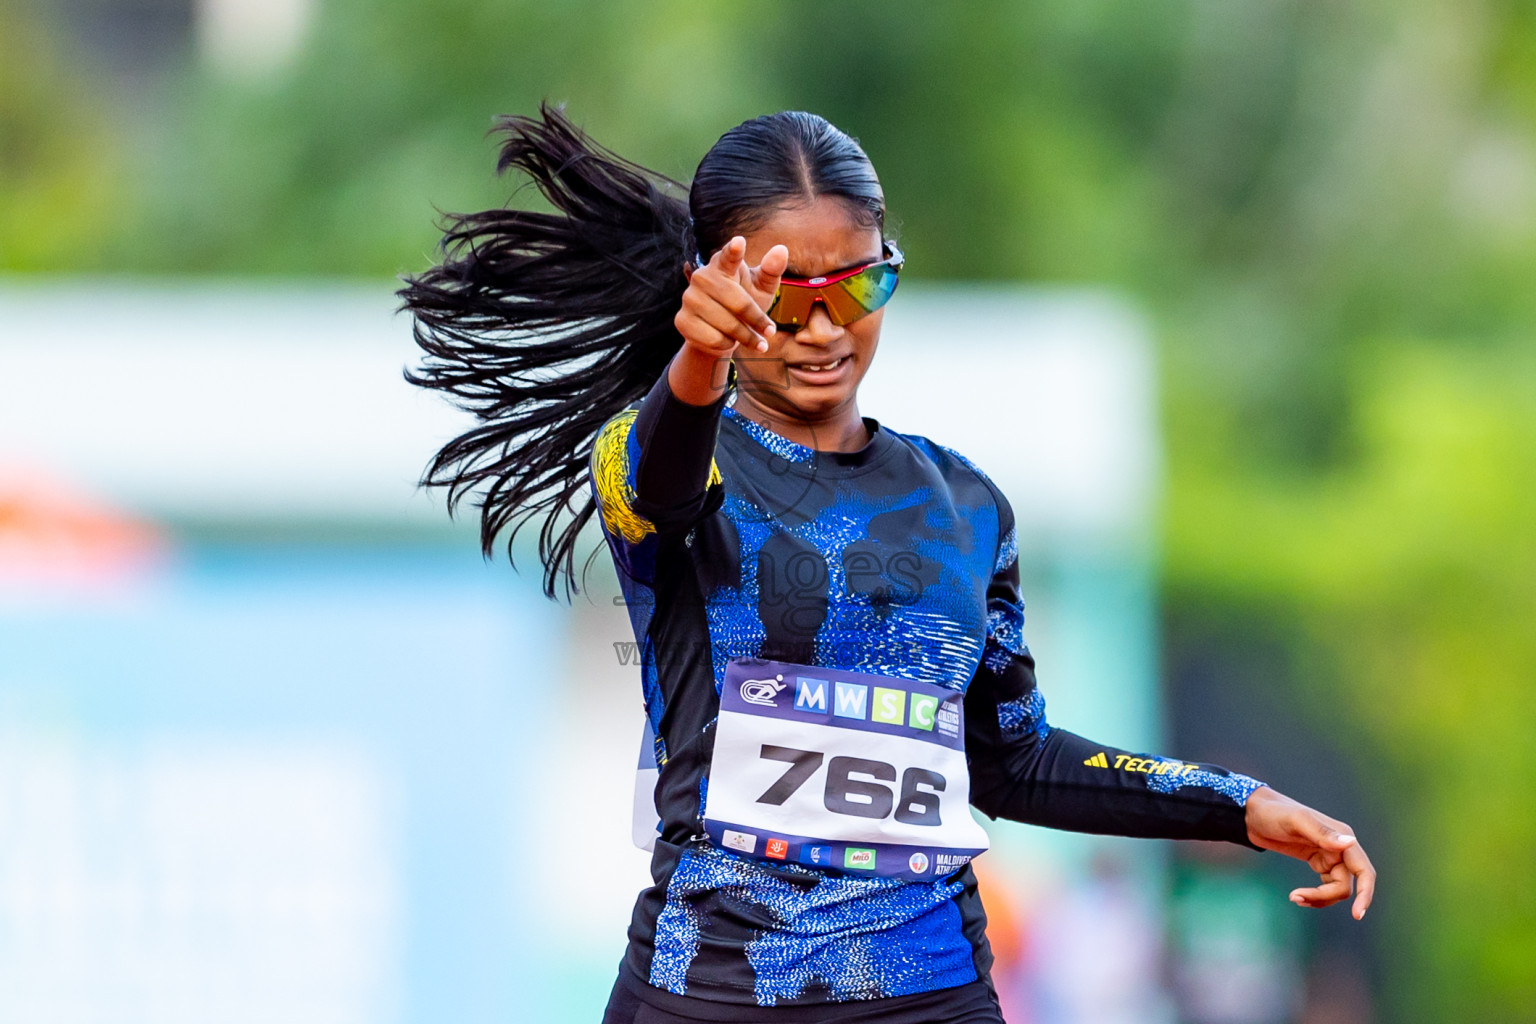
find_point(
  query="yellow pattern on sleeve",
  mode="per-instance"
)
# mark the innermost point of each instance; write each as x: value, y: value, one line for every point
x: 610, y: 472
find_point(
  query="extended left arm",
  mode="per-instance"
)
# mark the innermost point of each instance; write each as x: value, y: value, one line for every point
x: 1023, y: 769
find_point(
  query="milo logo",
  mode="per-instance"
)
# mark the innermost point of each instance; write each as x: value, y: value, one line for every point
x: 859, y: 858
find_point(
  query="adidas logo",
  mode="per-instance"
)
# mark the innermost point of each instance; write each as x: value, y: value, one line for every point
x: 1097, y: 761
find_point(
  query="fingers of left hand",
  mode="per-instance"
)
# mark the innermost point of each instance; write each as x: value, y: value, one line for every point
x: 1323, y: 861
x: 1364, y: 873
x: 1335, y: 887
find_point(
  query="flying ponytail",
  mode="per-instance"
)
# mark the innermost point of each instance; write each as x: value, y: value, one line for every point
x: 544, y: 325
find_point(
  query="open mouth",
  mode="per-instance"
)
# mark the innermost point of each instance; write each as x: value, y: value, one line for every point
x: 828, y: 366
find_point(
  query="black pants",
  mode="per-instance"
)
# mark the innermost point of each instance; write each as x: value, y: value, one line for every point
x: 633, y: 1001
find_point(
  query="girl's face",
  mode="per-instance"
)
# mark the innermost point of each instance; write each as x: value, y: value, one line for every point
x: 823, y: 236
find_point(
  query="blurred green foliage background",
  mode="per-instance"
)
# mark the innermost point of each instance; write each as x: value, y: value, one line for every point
x: 1329, y: 211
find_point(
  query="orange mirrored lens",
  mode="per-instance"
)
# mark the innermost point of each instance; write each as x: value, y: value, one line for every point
x: 845, y: 301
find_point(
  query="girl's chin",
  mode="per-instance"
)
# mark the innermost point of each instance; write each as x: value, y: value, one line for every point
x: 813, y: 403
x: 797, y: 401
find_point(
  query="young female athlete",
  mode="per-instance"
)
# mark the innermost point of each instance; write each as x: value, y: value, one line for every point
x: 828, y: 610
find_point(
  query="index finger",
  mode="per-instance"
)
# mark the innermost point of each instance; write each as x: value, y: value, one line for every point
x: 1365, y: 878
x: 728, y: 259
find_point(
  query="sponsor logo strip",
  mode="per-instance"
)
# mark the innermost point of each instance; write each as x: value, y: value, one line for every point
x: 918, y: 863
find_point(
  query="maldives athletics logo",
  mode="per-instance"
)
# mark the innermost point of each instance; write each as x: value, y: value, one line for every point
x: 763, y: 692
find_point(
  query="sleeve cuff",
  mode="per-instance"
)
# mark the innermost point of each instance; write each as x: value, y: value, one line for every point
x: 676, y: 443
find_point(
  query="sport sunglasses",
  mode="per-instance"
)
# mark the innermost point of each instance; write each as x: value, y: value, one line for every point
x: 846, y: 295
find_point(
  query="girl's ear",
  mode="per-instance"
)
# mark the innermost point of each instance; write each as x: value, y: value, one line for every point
x: 687, y: 270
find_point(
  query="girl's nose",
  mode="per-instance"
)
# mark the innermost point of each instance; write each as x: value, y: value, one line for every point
x: 819, y: 328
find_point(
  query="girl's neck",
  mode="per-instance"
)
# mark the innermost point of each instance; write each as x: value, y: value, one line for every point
x: 843, y: 431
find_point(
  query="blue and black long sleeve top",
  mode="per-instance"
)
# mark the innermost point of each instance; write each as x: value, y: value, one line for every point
x: 898, y: 559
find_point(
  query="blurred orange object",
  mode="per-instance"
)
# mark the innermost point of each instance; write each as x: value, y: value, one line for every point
x: 52, y: 533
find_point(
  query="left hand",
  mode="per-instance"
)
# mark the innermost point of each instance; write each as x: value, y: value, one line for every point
x: 1276, y: 822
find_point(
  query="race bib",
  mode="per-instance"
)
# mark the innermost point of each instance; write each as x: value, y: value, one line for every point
x: 844, y: 770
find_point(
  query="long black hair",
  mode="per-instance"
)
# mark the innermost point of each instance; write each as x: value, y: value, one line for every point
x: 545, y: 324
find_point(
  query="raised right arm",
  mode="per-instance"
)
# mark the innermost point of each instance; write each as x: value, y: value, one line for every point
x: 652, y: 466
